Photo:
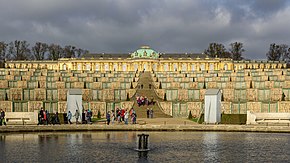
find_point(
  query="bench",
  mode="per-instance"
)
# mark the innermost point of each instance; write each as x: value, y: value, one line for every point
x: 258, y: 118
x: 21, y: 118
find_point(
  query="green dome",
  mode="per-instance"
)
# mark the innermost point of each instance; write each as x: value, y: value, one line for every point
x: 145, y: 52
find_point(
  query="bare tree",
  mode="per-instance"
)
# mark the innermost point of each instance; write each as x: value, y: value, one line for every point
x: 69, y: 51
x: 3, y: 49
x: 285, y: 52
x: 216, y: 50
x: 55, y: 52
x: 39, y: 50
x: 79, y: 52
x: 278, y: 52
x: 236, y: 50
x: 19, y: 50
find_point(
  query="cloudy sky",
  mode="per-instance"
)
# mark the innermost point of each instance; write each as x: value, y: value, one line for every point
x: 121, y: 26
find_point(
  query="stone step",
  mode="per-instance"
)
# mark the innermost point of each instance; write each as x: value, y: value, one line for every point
x: 145, y: 79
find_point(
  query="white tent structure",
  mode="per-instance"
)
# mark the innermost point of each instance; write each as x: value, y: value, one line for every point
x: 74, y: 102
x: 212, y: 112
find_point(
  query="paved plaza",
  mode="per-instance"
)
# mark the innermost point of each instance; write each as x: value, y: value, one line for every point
x: 144, y: 124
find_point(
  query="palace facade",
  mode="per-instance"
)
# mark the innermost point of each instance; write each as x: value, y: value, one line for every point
x: 146, y: 59
x: 108, y: 81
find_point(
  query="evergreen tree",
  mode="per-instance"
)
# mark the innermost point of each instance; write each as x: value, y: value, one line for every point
x: 128, y: 98
x: 99, y: 114
x: 190, y: 115
x: 283, y: 97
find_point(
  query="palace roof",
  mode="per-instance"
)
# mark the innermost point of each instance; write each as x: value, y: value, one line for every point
x: 145, y: 52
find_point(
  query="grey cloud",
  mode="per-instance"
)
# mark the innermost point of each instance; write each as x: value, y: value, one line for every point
x: 166, y: 26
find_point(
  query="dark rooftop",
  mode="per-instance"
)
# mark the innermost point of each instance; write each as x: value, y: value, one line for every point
x: 163, y: 55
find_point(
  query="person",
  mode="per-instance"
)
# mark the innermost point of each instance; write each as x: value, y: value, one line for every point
x: 126, y: 116
x: 77, y: 116
x: 2, y: 117
x: 48, y: 121
x: 151, y: 113
x: 56, y: 119
x: 44, y: 118
x: 108, y: 116
x: 118, y: 115
x: 122, y: 114
x: 40, y: 117
x: 152, y: 101
x: 113, y: 117
x: 89, y: 116
x: 86, y: 117
x: 133, y: 116
x: 69, y: 116
x: 148, y: 111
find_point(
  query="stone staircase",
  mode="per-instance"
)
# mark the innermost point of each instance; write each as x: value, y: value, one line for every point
x: 145, y: 79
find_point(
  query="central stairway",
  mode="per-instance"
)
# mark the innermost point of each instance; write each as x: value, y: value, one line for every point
x: 145, y: 79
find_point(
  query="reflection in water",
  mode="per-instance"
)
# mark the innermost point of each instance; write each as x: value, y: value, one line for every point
x: 210, y: 144
x: 164, y: 147
x: 142, y: 156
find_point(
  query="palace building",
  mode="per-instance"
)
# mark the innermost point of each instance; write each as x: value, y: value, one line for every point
x: 178, y: 83
x: 146, y: 59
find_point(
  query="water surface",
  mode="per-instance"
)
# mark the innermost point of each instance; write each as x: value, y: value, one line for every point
x: 164, y: 147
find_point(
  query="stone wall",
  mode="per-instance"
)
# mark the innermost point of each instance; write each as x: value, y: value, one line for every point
x: 232, y: 108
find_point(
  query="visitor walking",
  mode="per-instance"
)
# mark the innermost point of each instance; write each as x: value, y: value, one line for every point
x: 69, y: 116
x: 126, y: 116
x: 56, y: 119
x: 90, y: 114
x: 44, y: 118
x: 118, y: 112
x: 113, y: 117
x: 108, y: 116
x: 2, y: 117
x: 148, y: 112
x: 151, y: 113
x: 48, y: 121
x: 77, y: 116
x: 133, y: 116
x: 123, y: 114
x: 40, y: 117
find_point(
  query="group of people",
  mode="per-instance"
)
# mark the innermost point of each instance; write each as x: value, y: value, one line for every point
x: 44, y: 118
x: 87, y: 116
x: 121, y: 115
x: 143, y: 100
x: 2, y: 117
